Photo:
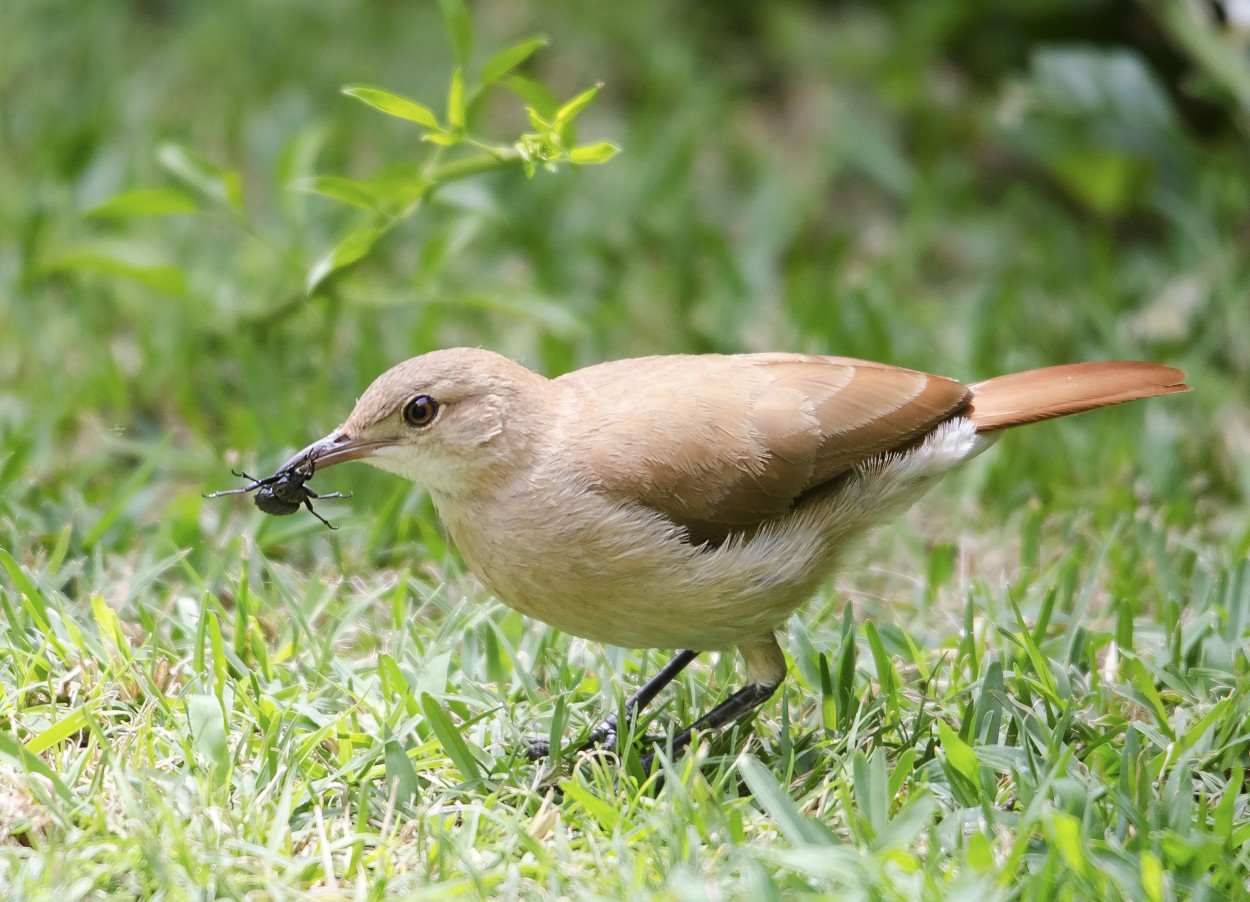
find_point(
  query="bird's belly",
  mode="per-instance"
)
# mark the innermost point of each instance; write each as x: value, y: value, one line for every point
x: 625, y: 576
x: 631, y: 580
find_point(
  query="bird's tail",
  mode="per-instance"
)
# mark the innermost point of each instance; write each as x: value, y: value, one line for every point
x: 1057, y: 391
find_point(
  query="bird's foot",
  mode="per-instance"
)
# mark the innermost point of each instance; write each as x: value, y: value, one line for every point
x: 602, y: 739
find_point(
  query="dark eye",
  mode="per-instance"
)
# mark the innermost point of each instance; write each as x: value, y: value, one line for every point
x: 420, y: 411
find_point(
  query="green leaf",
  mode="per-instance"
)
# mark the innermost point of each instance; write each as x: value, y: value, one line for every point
x: 959, y: 754
x: 905, y: 826
x: 221, y: 185
x: 24, y: 584
x: 123, y: 260
x: 593, y: 153
x: 568, y: 112
x: 449, y: 736
x: 351, y: 249
x: 217, y: 648
x: 1152, y: 876
x: 534, y: 95
x: 348, y: 191
x: 843, y: 671
x: 455, y: 100
x: 828, y: 701
x: 208, y: 733
x: 1066, y: 834
x: 145, y: 202
x: 400, y: 773
x: 903, y: 770
x: 66, y: 727
x: 980, y: 854
x: 394, y: 105
x: 887, y: 674
x: 1142, y: 681
x: 871, y: 788
x: 459, y: 29
x: 505, y: 61
x: 776, y: 802
x: 537, y: 122
x: 1207, y: 46
x: 21, y: 757
x: 607, y: 815
x: 109, y: 623
x: 392, y: 677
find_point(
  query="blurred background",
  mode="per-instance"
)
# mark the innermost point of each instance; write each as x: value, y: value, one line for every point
x: 207, y: 251
x: 968, y: 188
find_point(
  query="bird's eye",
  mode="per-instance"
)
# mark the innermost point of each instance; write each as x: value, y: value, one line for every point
x: 420, y: 411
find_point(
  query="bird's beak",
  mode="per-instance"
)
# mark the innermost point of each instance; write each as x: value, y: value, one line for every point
x: 335, y: 448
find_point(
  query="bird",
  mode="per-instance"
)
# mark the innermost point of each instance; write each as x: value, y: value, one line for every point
x: 686, y: 502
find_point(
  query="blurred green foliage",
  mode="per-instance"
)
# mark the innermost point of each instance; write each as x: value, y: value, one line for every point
x: 964, y: 187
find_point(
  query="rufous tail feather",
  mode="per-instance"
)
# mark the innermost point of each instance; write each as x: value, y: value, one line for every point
x: 1057, y: 391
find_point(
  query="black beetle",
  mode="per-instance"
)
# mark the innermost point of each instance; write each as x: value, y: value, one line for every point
x: 284, y: 492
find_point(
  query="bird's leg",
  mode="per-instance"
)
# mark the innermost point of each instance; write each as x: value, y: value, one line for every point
x: 766, y: 669
x: 738, y: 705
x: 604, y: 735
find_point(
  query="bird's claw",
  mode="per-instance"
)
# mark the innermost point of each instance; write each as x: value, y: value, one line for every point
x: 601, y: 739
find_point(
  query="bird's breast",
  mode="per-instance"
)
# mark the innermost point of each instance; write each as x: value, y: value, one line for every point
x: 617, y: 572
x: 624, y: 575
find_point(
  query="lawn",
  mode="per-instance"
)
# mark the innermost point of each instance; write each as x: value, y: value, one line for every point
x: 1033, y: 686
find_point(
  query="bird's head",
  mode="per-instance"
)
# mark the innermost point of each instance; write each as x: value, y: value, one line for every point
x: 447, y: 420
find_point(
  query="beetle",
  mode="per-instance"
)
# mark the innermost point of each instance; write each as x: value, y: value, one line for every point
x: 284, y: 492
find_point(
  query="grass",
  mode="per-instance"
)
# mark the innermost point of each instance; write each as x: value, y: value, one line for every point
x: 1034, y: 686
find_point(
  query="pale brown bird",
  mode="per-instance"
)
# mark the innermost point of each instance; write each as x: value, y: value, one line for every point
x: 686, y: 502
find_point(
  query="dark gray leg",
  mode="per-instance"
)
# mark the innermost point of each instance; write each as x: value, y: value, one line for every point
x: 604, y: 735
x: 737, y: 706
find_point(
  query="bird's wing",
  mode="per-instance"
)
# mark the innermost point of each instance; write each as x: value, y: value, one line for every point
x: 722, y: 444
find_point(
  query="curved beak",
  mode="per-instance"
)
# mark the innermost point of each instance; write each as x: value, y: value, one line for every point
x: 335, y: 448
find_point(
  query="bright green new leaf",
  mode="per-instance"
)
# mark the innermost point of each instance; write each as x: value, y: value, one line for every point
x: 449, y: 737
x: 122, y: 260
x: 208, y: 732
x: 27, y: 587
x: 799, y: 829
x: 534, y: 95
x: 394, y: 105
x: 221, y: 185
x: 455, y: 100
x: 400, y: 774
x: 21, y: 757
x: 505, y: 61
x: 345, y: 253
x: 145, y: 202
x: 959, y: 754
x: 980, y: 854
x: 593, y: 153
x: 67, y: 726
x: 109, y: 623
x: 459, y: 29
x: 1152, y: 876
x: 569, y: 111
x: 349, y: 191
x: 606, y: 814
x: 1066, y: 833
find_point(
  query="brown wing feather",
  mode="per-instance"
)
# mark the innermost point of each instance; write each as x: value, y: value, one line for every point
x: 1057, y: 391
x: 732, y: 442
